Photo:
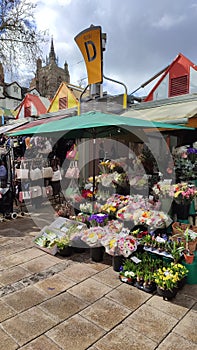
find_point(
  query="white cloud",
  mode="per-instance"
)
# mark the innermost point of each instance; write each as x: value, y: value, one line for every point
x: 168, y: 21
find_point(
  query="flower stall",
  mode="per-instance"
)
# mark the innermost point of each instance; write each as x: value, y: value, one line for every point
x: 136, y: 228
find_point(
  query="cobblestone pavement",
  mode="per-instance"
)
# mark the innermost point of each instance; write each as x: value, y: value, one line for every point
x: 50, y: 302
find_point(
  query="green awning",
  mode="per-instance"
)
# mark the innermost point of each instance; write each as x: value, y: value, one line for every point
x: 94, y: 124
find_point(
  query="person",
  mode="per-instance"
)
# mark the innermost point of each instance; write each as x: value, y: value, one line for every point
x: 2, y: 139
x: 3, y: 174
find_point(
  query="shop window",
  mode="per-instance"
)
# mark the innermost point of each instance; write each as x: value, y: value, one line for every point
x: 63, y: 103
x: 179, y: 86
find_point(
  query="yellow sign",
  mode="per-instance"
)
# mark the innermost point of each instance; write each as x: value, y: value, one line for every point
x: 89, y: 42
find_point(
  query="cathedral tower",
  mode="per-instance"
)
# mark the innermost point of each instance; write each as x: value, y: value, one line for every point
x: 49, y: 77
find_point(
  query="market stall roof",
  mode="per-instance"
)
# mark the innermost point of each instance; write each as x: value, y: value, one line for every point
x: 176, y: 109
x: 14, y: 126
x: 94, y: 124
x: 46, y: 118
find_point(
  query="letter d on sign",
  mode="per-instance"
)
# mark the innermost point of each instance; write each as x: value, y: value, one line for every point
x: 89, y: 42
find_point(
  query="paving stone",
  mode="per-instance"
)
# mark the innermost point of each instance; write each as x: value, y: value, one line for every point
x: 11, y: 261
x: 76, y: 333
x: 176, y: 342
x: 6, y: 342
x: 128, y: 296
x: 190, y: 290
x: 6, y: 311
x: 31, y: 253
x: 177, y: 308
x: 25, y: 298
x: 41, y: 343
x: 109, y: 277
x: 187, y: 327
x: 194, y: 308
x: 39, y: 264
x: 78, y: 272
x: 151, y: 322
x: 105, y: 313
x: 55, y: 284
x: 63, y: 306
x: 28, y: 325
x: 12, y: 275
x: 123, y: 337
x: 89, y: 290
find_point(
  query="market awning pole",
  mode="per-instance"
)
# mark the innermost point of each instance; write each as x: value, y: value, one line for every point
x: 125, y: 94
x: 94, y: 171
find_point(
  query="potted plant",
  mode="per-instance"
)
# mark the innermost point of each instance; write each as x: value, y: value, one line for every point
x: 188, y: 256
x: 63, y: 245
x: 166, y: 280
x: 175, y: 249
x: 127, y: 272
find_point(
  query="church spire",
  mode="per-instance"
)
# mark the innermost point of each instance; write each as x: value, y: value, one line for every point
x: 52, y: 57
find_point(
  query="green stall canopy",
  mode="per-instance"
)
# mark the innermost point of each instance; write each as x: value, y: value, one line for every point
x: 94, y: 124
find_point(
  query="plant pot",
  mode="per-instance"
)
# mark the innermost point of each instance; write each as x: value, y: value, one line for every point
x: 66, y: 251
x: 96, y: 253
x: 181, y: 210
x: 192, y: 246
x: 182, y: 282
x: 128, y: 280
x: 167, y: 293
x: 117, y: 261
x: 188, y: 258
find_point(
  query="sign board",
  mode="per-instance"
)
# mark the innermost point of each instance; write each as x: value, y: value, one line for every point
x: 89, y: 42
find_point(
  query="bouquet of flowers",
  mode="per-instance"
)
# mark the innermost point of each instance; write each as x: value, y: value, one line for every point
x: 162, y: 189
x: 93, y: 236
x: 152, y: 218
x: 119, y: 244
x: 183, y: 193
x: 98, y: 219
x: 114, y: 226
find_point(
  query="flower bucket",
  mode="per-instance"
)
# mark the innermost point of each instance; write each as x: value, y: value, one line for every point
x: 167, y: 294
x: 117, y: 261
x: 181, y: 210
x: 96, y: 254
x: 66, y: 251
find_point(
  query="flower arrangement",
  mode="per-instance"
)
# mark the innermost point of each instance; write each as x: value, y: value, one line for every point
x: 138, y: 181
x: 183, y: 193
x: 151, y: 218
x: 167, y: 278
x: 109, y: 208
x: 98, y: 219
x: 114, y: 226
x: 162, y: 189
x: 119, y: 244
x: 93, y: 236
x: 108, y: 166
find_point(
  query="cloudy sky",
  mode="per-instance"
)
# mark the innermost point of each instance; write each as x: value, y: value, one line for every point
x: 143, y: 36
